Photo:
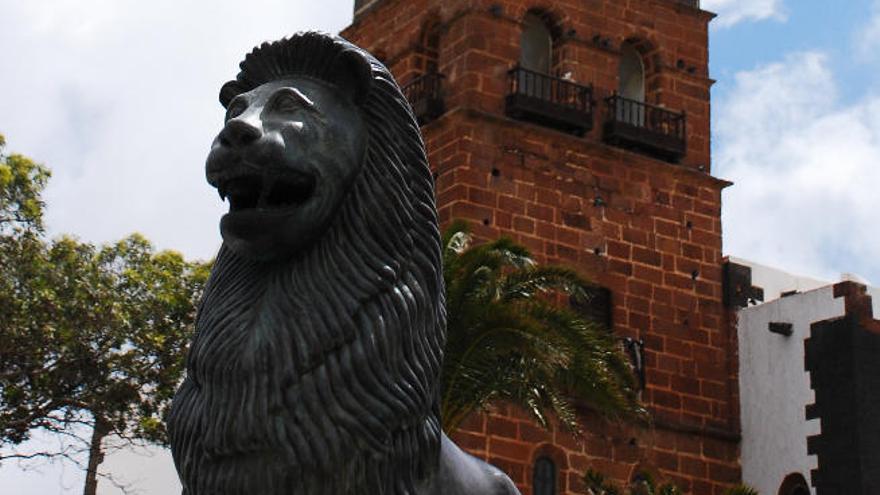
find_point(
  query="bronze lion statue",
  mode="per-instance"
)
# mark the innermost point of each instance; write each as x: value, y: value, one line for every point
x: 315, y: 362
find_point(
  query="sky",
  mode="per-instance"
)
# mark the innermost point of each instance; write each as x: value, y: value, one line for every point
x: 119, y: 99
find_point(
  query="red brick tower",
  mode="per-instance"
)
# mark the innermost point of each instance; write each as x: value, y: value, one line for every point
x: 580, y: 128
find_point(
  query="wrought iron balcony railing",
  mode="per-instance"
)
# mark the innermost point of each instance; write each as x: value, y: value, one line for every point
x: 425, y: 95
x: 549, y: 101
x: 647, y: 128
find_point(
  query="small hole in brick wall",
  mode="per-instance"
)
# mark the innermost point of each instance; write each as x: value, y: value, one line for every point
x: 597, y: 251
x: 496, y: 172
x: 695, y: 274
x: 485, y: 221
x: 633, y: 442
x: 689, y: 224
x: 435, y: 175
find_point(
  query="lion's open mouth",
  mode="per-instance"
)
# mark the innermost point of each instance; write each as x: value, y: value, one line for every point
x: 266, y: 193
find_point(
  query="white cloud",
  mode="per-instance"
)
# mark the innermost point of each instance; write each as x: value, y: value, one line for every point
x: 731, y: 12
x: 805, y: 170
x: 867, y: 37
x: 119, y: 99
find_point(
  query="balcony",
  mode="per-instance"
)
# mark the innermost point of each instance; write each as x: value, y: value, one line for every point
x: 646, y: 128
x: 425, y: 96
x: 549, y: 101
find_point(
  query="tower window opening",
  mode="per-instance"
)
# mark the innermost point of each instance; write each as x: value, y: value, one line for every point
x: 632, y: 74
x: 428, y: 49
x: 632, y: 122
x: 536, y: 93
x: 536, y: 45
x: 631, y: 86
x: 425, y: 90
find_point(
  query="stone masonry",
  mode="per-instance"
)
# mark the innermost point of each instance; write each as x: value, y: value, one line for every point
x: 646, y: 229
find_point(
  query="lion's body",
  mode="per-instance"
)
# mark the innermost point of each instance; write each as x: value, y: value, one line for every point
x: 460, y: 473
x: 289, y: 386
x: 318, y: 374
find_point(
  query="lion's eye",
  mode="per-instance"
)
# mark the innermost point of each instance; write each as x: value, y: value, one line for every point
x: 290, y: 100
x: 236, y: 108
x: 286, y: 103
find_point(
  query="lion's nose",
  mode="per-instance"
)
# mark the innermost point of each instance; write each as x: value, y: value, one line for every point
x: 239, y: 132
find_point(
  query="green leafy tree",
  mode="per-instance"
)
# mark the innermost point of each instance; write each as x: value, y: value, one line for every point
x: 509, y: 338
x: 93, y: 338
x: 21, y: 185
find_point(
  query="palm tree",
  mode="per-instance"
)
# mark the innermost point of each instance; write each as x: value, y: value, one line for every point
x: 509, y: 338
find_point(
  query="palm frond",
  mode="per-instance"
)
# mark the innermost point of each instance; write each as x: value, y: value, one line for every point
x: 509, y: 338
x: 534, y: 280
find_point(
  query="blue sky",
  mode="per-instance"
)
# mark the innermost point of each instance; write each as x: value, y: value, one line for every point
x: 801, y: 25
x: 794, y: 127
x: 118, y: 97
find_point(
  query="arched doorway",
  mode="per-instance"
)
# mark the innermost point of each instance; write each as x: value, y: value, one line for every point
x: 536, y: 57
x: 794, y: 484
x: 536, y: 44
x: 631, y: 74
x: 544, y: 476
x: 428, y: 49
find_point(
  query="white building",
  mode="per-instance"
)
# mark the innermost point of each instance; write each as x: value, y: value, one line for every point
x: 774, y: 384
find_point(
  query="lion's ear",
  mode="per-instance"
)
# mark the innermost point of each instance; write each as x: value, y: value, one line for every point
x: 352, y: 73
x: 229, y: 91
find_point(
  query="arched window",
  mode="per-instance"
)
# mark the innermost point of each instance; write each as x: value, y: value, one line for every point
x: 424, y: 90
x: 632, y: 73
x: 536, y: 43
x: 794, y: 484
x: 428, y: 49
x: 544, y: 476
x: 632, y: 86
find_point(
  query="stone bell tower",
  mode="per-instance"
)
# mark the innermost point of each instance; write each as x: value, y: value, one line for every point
x: 580, y: 128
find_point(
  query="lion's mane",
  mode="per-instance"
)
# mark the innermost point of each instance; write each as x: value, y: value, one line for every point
x: 319, y: 375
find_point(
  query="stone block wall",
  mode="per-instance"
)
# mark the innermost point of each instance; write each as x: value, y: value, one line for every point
x: 480, y: 43
x: 648, y: 230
